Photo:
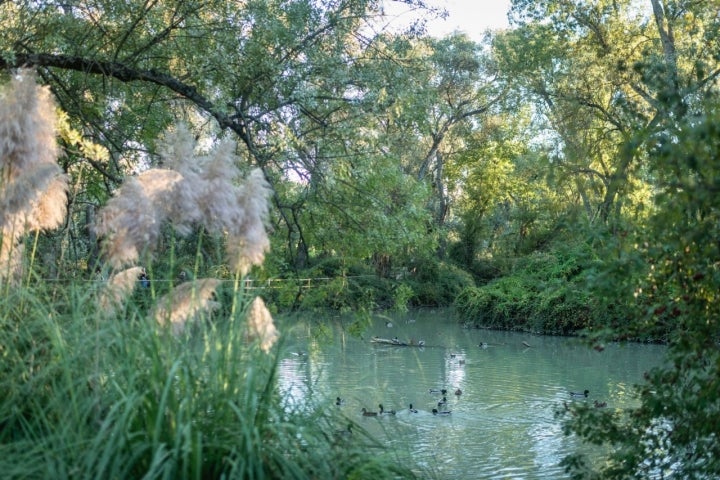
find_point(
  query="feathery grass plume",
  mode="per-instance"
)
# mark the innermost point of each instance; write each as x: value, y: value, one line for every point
x: 219, y: 177
x: 185, y: 302
x: 210, y: 196
x: 248, y: 241
x: 177, y: 153
x: 200, y: 190
x: 177, y: 150
x: 261, y: 326
x: 33, y: 187
x: 118, y: 288
x: 131, y: 221
x: 27, y: 125
x: 49, y: 208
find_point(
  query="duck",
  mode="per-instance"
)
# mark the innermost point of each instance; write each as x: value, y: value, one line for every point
x: 385, y: 412
x: 600, y: 404
x: 435, y: 411
x: 339, y: 401
x: 412, y: 410
x: 366, y: 413
x: 438, y: 390
x: 442, y: 402
x: 582, y: 394
x: 344, y: 432
x: 388, y: 324
x: 458, y: 392
x: 144, y: 279
x: 421, y: 343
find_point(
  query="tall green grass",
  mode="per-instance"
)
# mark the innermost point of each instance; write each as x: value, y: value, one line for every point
x: 84, y: 396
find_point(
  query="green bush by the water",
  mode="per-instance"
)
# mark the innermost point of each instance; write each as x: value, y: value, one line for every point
x: 329, y: 286
x: 545, y: 292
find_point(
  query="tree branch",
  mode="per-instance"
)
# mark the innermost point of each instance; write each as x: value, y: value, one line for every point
x: 124, y: 73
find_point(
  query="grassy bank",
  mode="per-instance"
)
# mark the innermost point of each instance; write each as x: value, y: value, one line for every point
x: 90, y: 396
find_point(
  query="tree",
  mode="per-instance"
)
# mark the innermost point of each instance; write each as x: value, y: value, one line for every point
x: 607, y: 77
x: 276, y: 75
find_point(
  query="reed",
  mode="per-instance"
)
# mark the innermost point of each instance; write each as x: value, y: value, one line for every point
x: 33, y: 189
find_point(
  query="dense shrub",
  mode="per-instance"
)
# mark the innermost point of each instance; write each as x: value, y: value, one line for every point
x: 544, y: 292
x: 438, y: 283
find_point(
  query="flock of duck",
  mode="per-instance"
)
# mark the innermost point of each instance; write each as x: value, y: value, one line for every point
x: 442, y: 404
x: 440, y: 410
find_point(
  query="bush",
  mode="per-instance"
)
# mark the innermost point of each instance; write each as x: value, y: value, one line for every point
x: 438, y: 284
x: 545, y: 292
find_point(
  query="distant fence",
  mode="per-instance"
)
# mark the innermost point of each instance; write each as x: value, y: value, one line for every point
x: 275, y: 283
x: 248, y: 284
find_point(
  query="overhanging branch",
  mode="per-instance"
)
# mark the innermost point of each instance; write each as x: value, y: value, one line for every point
x: 124, y: 73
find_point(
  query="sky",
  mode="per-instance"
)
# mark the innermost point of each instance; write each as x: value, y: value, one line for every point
x: 470, y: 16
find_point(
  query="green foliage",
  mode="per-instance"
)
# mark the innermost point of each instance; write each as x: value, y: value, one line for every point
x: 116, y: 398
x: 402, y: 293
x: 669, y: 282
x: 545, y: 292
x: 438, y: 283
x: 333, y: 287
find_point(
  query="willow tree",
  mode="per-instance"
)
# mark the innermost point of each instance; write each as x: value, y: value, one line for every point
x: 275, y: 75
x: 607, y: 77
x: 436, y: 94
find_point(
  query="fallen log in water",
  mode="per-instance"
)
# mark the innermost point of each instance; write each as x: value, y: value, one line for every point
x: 396, y: 342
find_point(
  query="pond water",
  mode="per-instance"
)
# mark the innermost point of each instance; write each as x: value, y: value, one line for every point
x: 502, y: 425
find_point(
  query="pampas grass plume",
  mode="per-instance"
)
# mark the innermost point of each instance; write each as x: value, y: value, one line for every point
x: 185, y: 302
x: 27, y: 125
x: 200, y: 191
x: 131, y: 221
x: 118, y: 288
x: 33, y: 188
x: 261, y: 326
x: 248, y: 241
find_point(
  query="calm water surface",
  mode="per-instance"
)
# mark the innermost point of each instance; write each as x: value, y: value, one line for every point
x: 502, y: 426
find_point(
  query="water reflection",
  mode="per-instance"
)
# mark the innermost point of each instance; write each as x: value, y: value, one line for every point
x: 503, y: 423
